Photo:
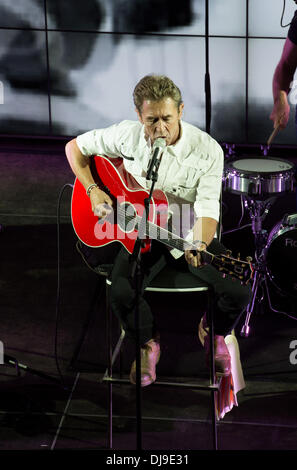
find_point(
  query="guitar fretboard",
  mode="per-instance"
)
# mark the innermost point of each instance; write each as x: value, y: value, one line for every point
x: 155, y: 232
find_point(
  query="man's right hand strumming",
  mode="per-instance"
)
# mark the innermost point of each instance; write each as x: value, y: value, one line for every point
x: 101, y: 203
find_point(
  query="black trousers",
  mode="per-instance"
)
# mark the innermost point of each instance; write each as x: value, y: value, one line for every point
x: 231, y: 296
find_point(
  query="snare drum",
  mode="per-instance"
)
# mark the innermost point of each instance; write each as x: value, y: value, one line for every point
x: 259, y: 176
x: 281, y: 255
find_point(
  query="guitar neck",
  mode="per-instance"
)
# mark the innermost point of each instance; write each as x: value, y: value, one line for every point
x: 239, y: 269
x: 168, y: 238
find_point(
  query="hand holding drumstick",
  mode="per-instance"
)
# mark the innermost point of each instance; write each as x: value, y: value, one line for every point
x: 273, y: 134
x: 279, y: 115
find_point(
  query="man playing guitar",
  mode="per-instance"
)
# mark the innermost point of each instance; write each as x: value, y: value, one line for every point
x: 190, y: 170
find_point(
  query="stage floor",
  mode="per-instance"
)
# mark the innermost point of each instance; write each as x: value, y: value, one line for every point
x: 39, y: 414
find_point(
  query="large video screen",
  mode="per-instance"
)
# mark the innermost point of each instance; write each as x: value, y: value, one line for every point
x: 70, y: 66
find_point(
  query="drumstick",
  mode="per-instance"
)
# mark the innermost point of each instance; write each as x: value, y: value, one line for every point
x: 275, y: 131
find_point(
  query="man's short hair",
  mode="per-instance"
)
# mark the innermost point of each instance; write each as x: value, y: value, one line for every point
x: 156, y: 88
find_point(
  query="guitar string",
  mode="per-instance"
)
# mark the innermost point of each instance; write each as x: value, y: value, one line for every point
x: 179, y: 243
x: 171, y: 238
x: 176, y: 241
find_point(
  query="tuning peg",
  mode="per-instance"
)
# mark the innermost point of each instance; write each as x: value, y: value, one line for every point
x: 249, y: 259
x: 238, y: 256
x: 228, y: 253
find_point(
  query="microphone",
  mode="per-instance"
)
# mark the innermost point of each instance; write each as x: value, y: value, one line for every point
x: 158, y: 149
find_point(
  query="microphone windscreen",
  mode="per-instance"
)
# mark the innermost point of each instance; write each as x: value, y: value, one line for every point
x: 160, y: 142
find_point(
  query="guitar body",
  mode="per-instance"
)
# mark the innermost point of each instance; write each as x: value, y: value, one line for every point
x: 128, y: 206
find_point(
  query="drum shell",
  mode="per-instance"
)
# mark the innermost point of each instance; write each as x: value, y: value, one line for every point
x: 259, y: 183
x: 281, y: 256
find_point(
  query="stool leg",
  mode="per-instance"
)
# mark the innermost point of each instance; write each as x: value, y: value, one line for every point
x: 109, y: 362
x: 212, y: 368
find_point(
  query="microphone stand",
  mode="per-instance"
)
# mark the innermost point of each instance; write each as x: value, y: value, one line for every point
x: 11, y: 361
x: 137, y: 280
x: 207, y: 76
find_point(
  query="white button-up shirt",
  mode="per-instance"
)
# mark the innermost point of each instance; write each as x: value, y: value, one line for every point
x: 190, y: 170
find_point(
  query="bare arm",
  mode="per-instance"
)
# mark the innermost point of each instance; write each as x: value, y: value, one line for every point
x: 282, y: 78
x: 204, y: 230
x: 80, y: 166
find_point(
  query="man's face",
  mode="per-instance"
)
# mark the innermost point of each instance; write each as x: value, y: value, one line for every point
x: 161, y: 119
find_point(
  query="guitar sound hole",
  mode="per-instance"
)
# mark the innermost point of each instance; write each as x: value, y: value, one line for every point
x: 127, y: 217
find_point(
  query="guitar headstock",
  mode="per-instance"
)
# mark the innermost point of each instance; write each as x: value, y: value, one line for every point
x: 234, y: 267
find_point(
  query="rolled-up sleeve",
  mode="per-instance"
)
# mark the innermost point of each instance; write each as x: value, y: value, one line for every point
x: 99, y: 141
x: 207, y: 203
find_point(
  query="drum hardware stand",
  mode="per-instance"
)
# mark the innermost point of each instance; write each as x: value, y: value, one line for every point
x: 258, y: 210
x: 230, y: 149
x: 265, y: 149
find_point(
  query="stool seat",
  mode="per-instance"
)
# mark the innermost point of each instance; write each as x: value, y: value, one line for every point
x: 167, y: 280
x: 171, y: 280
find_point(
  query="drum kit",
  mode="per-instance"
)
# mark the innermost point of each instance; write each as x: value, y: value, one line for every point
x: 260, y: 181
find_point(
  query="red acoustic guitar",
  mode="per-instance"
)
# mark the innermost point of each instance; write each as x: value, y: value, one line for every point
x: 123, y: 224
